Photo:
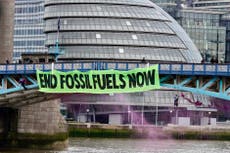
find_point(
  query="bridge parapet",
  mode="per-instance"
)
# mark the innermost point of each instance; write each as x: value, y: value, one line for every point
x: 186, y: 69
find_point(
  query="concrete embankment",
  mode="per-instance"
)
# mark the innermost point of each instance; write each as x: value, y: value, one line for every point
x: 208, y: 132
x: 114, y: 131
x: 137, y: 131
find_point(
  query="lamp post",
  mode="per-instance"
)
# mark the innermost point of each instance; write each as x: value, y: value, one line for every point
x: 170, y: 115
x: 87, y: 115
x: 142, y: 110
x: 177, y: 115
x: 209, y: 119
x: 156, y: 116
x: 129, y: 117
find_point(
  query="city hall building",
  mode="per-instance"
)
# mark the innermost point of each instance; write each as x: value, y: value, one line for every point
x: 120, y: 31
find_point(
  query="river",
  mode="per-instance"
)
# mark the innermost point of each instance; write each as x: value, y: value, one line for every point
x: 91, y: 145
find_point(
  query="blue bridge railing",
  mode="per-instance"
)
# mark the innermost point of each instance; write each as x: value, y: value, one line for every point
x: 177, y: 69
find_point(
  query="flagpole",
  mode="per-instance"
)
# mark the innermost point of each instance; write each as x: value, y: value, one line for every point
x: 57, y: 39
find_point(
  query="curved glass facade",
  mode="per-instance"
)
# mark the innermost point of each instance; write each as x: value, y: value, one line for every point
x: 108, y: 24
x: 116, y: 29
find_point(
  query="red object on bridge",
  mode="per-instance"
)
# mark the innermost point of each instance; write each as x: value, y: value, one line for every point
x: 196, y: 103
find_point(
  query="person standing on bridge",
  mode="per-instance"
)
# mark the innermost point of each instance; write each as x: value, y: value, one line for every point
x: 212, y: 60
x: 176, y: 99
x: 22, y: 81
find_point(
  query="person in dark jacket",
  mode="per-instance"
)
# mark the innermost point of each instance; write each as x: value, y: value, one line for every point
x: 22, y: 81
x: 176, y: 99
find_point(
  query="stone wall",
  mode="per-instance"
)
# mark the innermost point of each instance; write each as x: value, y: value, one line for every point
x: 6, y: 29
x: 41, y: 118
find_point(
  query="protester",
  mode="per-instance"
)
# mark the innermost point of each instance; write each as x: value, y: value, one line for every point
x: 22, y: 81
x: 213, y: 60
x: 176, y: 99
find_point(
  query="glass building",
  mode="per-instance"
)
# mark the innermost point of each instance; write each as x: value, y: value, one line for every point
x: 201, y: 19
x: 118, y: 30
x: 172, y: 6
x: 203, y: 27
x: 28, y: 28
x: 212, y: 4
x: 222, y: 6
x: 225, y: 21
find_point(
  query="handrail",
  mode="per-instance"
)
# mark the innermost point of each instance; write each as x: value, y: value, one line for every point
x: 164, y: 68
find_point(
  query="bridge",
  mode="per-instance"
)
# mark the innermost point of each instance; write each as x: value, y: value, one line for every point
x: 207, y: 79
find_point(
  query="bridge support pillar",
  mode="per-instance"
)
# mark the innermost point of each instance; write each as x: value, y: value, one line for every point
x: 39, y: 125
x: 42, y: 125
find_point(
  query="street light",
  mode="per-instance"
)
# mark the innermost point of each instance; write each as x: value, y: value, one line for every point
x: 156, y: 116
x: 87, y: 115
x: 129, y: 117
x: 171, y: 111
x: 209, y: 119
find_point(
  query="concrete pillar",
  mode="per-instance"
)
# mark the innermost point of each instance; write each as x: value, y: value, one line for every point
x: 204, y: 121
x: 6, y: 29
x: 82, y: 118
x: 115, y: 119
x: 42, y: 124
x: 38, y: 125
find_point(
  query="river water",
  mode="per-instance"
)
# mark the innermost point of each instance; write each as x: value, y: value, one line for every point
x: 91, y: 145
